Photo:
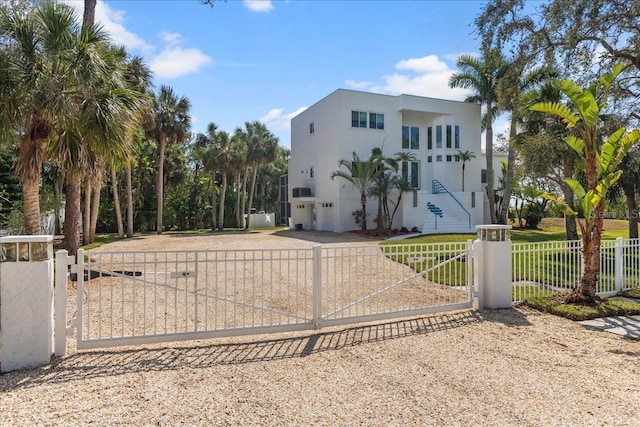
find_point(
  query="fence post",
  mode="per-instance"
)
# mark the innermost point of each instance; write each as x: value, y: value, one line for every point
x: 26, y: 301
x: 60, y: 301
x: 477, y: 275
x: 317, y: 286
x: 496, y: 266
x: 619, y: 264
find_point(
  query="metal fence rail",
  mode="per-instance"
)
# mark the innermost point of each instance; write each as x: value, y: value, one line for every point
x: 154, y: 296
x: 377, y: 282
x: 552, y: 267
x: 137, y: 297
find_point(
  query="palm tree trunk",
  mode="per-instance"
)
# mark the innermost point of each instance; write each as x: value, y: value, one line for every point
x: 570, y: 227
x: 86, y: 221
x: 95, y: 205
x: 71, y: 239
x: 214, y: 211
x: 58, y: 188
x: 89, y: 15
x: 489, y: 155
x: 243, y: 204
x: 160, y: 186
x: 223, y: 195
x: 511, y: 166
x: 116, y: 201
x: 31, y: 204
x: 463, y: 176
x: 363, y: 201
x: 253, y: 189
x: 238, y: 195
x: 129, y: 201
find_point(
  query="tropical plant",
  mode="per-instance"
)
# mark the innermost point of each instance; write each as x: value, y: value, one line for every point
x: 172, y: 123
x: 481, y: 75
x: 542, y: 148
x: 601, y: 166
x: 362, y: 175
x: 465, y: 156
x: 261, y: 149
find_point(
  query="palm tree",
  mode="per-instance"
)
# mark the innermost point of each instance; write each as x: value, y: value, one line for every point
x: 261, y: 150
x: 172, y: 122
x: 101, y: 133
x: 214, y: 150
x: 511, y: 88
x: 601, y: 165
x: 63, y: 85
x: 36, y: 82
x: 465, y: 156
x: 481, y: 75
x: 362, y: 175
x: 241, y: 170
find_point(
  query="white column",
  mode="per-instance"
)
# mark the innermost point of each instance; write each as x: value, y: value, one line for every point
x: 26, y: 302
x: 495, y: 247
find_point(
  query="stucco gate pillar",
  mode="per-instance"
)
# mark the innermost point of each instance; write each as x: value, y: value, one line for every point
x: 26, y: 302
x: 493, y: 266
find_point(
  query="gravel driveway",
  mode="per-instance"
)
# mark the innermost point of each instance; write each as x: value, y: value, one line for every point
x: 487, y: 367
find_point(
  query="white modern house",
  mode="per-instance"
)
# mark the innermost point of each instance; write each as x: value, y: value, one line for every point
x: 348, y: 121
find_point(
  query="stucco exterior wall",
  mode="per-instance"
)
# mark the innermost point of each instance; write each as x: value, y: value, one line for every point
x: 323, y: 134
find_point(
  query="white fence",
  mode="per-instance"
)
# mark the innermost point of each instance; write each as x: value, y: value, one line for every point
x: 146, y: 297
x: 544, y: 267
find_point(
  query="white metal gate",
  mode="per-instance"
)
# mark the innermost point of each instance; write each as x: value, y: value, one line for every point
x: 127, y: 298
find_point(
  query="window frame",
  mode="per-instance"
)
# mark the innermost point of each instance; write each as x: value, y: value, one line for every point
x: 356, y: 119
x: 376, y: 121
x: 411, y: 143
x: 406, y: 171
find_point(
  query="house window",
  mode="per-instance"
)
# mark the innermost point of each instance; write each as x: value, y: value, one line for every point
x: 456, y: 158
x: 311, y: 128
x: 411, y: 174
x: 429, y: 138
x: 438, y: 136
x: 410, y: 138
x: 429, y: 159
x: 456, y: 137
x: 312, y: 172
x: 448, y: 136
x: 438, y: 158
x: 327, y: 205
x: 376, y: 121
x: 449, y: 157
x: 483, y: 176
x: 358, y: 119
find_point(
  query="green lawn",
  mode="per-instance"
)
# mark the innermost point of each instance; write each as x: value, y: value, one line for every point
x: 554, y: 266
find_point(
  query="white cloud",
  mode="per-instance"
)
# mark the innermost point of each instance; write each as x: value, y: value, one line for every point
x: 277, y: 121
x: 364, y: 85
x: 258, y: 5
x: 175, y: 61
x: 171, y: 39
x: 112, y: 21
x: 426, y: 76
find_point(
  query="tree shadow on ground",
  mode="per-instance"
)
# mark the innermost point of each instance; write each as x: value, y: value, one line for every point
x: 205, y: 354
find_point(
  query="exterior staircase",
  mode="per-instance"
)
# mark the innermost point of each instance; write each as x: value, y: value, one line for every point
x: 445, y: 213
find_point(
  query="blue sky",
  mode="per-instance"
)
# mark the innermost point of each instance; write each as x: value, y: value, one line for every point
x: 269, y: 60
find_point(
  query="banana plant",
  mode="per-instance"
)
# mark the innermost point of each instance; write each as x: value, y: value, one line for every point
x: 601, y: 166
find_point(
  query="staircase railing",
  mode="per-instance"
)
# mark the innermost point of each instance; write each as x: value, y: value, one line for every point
x: 437, y: 188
